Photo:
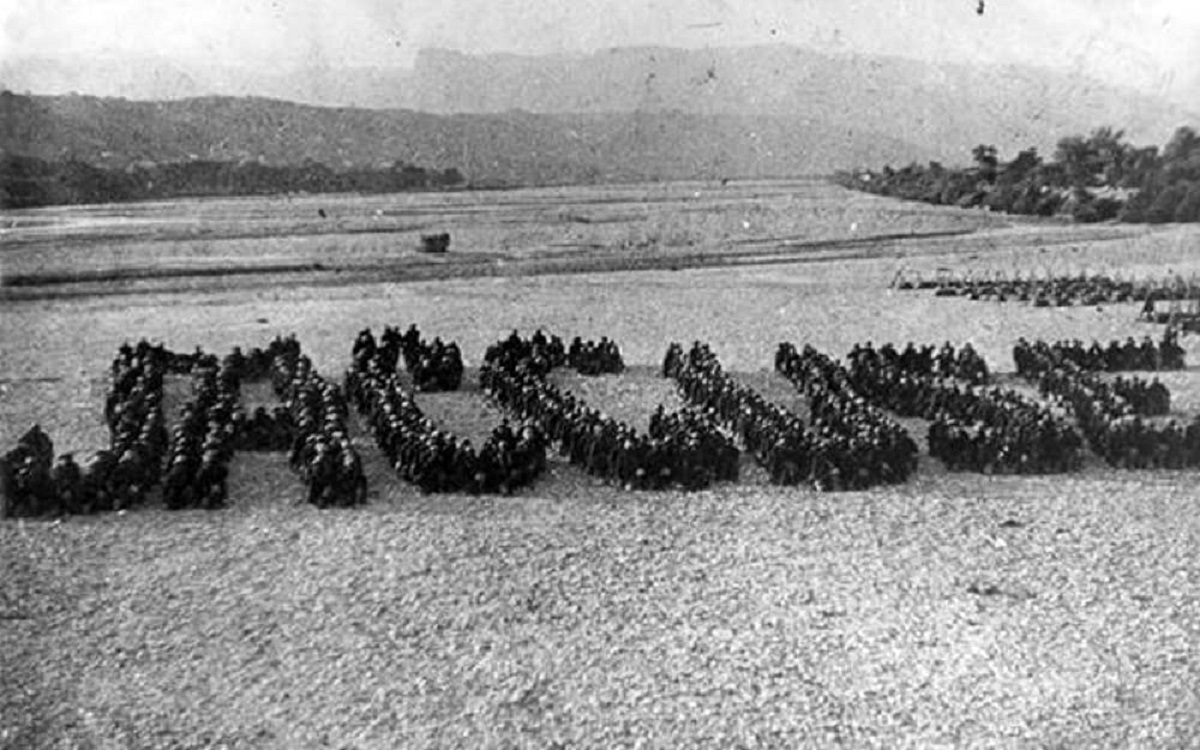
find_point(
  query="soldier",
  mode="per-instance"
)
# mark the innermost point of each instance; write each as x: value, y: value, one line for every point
x: 1172, y: 353
x: 96, y: 493
x: 354, y: 476
x: 629, y: 469
x: 388, y: 354
x: 39, y: 444
x: 531, y: 445
x: 34, y: 485
x: 179, y: 482
x: 365, y: 344
x: 321, y: 475
x: 68, y: 484
x: 129, y: 480
x: 212, y: 489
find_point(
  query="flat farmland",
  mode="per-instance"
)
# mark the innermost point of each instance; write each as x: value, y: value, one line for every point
x: 955, y: 610
x: 338, y: 239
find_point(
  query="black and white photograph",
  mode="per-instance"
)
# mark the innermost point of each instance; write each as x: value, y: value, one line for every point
x: 383, y: 374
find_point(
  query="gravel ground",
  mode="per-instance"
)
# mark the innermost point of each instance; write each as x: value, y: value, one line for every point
x: 955, y: 610
x: 948, y: 612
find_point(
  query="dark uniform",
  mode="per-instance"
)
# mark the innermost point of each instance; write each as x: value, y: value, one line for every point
x: 68, y: 484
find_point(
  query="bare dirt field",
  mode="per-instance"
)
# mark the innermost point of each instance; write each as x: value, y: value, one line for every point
x: 953, y: 611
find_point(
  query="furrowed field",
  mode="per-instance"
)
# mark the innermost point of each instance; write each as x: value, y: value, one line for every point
x: 954, y: 610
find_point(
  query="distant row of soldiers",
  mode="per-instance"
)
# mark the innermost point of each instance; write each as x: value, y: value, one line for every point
x: 973, y: 428
x: 1059, y: 291
x: 685, y: 451
x: 1114, y: 428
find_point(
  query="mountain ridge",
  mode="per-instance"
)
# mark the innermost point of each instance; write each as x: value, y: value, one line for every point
x: 507, y: 148
x: 936, y: 105
x: 945, y: 106
x: 624, y: 113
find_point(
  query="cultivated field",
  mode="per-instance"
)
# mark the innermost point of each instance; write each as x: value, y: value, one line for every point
x: 956, y: 610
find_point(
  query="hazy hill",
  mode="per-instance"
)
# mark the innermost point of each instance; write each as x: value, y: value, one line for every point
x: 941, y: 109
x: 160, y: 79
x: 946, y: 108
x: 512, y: 146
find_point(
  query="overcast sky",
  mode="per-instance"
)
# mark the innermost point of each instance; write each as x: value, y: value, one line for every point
x: 1153, y: 45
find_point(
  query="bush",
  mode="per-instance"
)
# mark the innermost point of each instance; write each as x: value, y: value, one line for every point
x: 1085, y: 212
x: 1089, y: 210
x: 1167, y: 188
x: 1163, y: 208
x: 1188, y: 208
x: 1107, y: 208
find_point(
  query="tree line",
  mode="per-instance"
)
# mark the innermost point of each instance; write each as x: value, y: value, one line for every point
x: 1091, y: 178
x: 27, y: 181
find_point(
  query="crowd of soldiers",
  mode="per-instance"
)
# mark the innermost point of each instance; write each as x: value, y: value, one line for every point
x: 1149, y: 398
x: 973, y: 428
x: 203, y: 440
x: 137, y: 426
x: 1110, y: 420
x: 258, y: 364
x: 774, y: 435
x: 433, y: 366
x: 212, y: 427
x: 694, y: 427
x: 1054, y: 291
x: 536, y: 356
x: 121, y: 476
x: 1015, y: 445
x: 28, y: 485
x: 848, y: 443
x: 684, y: 451
x: 1120, y: 356
x: 388, y: 348
x: 433, y: 459
x: 869, y: 447
x: 963, y: 364
x: 595, y: 358
x: 263, y: 429
x: 321, y: 451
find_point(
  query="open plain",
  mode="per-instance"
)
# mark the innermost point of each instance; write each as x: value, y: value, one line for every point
x: 956, y: 610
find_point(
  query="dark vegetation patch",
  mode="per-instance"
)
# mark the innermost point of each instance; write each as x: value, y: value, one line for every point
x: 1093, y: 178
